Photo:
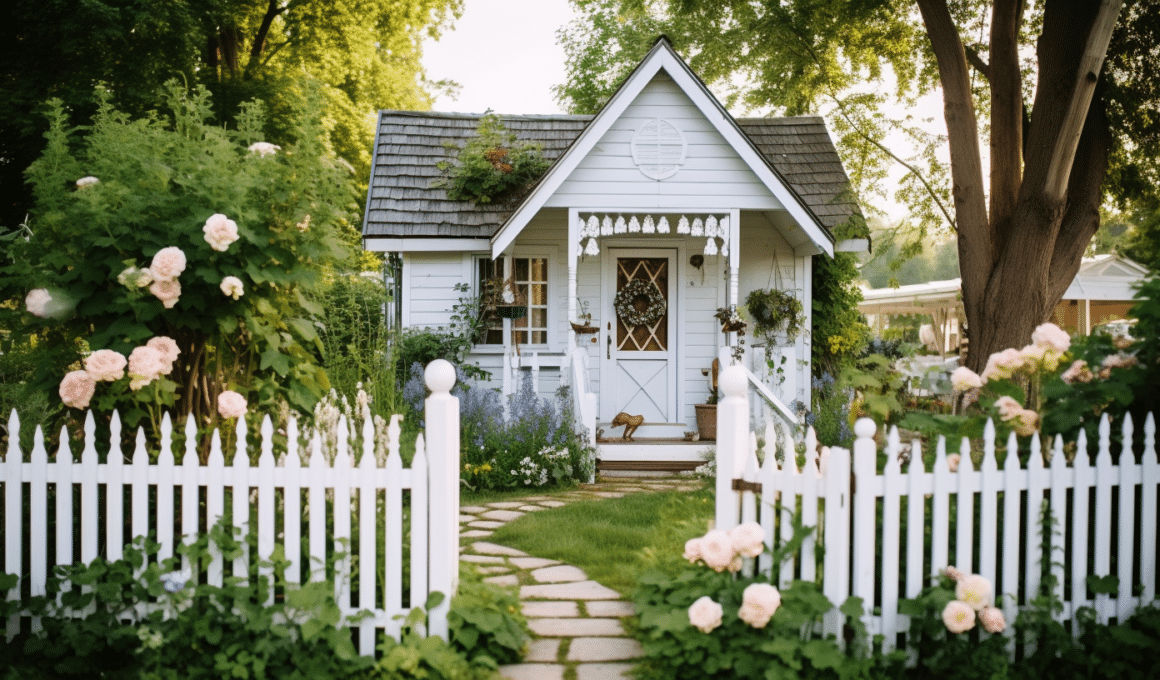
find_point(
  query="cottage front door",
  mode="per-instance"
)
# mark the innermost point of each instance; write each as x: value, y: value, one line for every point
x: 640, y: 341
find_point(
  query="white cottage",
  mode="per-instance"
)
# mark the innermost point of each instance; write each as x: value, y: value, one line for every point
x: 663, y: 187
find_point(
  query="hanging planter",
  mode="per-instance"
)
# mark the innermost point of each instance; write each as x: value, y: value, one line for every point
x: 510, y: 302
x: 635, y: 290
x: 511, y: 311
x: 777, y: 314
x: 584, y: 329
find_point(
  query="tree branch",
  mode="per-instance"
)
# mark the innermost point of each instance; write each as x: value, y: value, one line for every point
x: 975, y: 60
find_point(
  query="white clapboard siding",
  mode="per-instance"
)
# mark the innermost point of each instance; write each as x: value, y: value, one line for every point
x: 882, y: 574
x: 257, y: 486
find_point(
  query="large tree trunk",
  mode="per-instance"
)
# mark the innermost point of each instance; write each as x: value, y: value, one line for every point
x: 1017, y: 261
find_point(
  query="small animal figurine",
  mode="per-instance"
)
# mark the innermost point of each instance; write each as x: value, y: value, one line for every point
x: 630, y: 424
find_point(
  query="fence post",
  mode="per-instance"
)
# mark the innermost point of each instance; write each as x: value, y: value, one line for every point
x: 732, y: 442
x: 865, y: 469
x: 442, y: 426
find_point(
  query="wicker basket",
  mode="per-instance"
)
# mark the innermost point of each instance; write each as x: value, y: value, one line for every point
x: 585, y: 329
x: 707, y: 421
x: 511, y: 311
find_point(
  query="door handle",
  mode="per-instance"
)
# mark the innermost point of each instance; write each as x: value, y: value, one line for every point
x: 608, y: 346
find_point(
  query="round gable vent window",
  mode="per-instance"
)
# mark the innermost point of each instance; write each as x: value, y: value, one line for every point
x: 658, y: 149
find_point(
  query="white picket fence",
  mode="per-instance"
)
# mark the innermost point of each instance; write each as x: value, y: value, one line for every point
x: 849, y: 502
x: 354, y: 488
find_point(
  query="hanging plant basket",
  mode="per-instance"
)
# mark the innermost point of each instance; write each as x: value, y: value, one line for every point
x: 777, y: 315
x: 583, y: 330
x: 626, y: 310
x: 733, y: 326
x: 511, y: 311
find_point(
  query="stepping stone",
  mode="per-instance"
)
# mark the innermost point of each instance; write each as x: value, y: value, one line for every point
x: 532, y: 671
x: 493, y: 549
x: 582, y: 590
x: 467, y: 518
x: 603, y: 671
x: 550, y: 609
x: 482, y: 559
x: 532, y: 562
x: 505, y: 580
x: 543, y: 651
x: 616, y: 608
x: 609, y: 494
x: 604, y: 649
x: 494, y: 570
x: 575, y: 627
x: 473, y: 509
x: 484, y: 524
x: 537, y: 498
x: 531, y: 508
x: 505, y: 505
x: 475, y: 533
x: 561, y: 574
x: 502, y: 515
x: 553, y: 504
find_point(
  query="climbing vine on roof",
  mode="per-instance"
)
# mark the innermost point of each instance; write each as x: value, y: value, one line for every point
x: 491, y: 165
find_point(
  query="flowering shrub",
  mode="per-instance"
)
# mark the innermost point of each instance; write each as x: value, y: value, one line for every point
x: 190, y: 233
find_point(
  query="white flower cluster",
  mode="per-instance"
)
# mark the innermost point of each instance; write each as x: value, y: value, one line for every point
x: 145, y: 364
x: 530, y: 473
x: 263, y: 149
x: 87, y: 182
x: 329, y: 411
x: 973, y: 598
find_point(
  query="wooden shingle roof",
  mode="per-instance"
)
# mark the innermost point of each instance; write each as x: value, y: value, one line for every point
x: 402, y: 202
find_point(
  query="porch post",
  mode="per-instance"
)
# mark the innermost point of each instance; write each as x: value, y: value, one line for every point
x: 734, y: 259
x: 573, y: 244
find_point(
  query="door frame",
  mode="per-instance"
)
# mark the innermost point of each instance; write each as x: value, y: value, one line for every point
x: 611, y: 250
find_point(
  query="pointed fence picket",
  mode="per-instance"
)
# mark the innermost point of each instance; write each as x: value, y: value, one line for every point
x: 983, y: 517
x: 357, y: 492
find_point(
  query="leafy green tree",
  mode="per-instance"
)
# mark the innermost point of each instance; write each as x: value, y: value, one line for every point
x: 179, y: 229
x: 1064, y: 129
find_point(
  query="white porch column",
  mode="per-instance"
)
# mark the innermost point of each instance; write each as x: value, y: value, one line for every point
x: 572, y: 254
x: 734, y: 262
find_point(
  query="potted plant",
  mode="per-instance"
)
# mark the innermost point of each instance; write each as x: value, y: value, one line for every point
x: 510, y: 302
x: 585, y: 326
x: 777, y: 314
x: 707, y: 412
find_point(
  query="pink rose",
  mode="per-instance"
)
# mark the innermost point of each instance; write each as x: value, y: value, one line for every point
x: 232, y: 287
x: 958, y: 617
x: 758, y: 604
x: 167, y: 264
x: 954, y: 574
x: 168, y: 349
x: 167, y: 291
x: 975, y: 591
x: 76, y: 389
x: 1052, y: 337
x: 37, y: 302
x: 1002, y: 365
x: 220, y: 232
x: 1077, y: 372
x: 1008, y: 407
x: 705, y: 614
x: 231, y: 404
x: 992, y: 620
x: 1026, y: 422
x: 105, y: 364
x: 693, y: 549
x: 717, y: 550
x: 748, y: 539
x: 963, y: 379
x: 146, y: 364
x: 953, y: 461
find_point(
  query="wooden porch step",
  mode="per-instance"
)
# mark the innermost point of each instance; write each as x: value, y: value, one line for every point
x: 646, y: 465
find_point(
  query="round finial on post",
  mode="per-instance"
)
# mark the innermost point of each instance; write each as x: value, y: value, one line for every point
x: 864, y: 427
x: 439, y: 376
x: 733, y: 381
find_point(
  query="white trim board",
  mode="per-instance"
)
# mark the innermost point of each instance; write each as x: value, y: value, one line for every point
x: 425, y: 245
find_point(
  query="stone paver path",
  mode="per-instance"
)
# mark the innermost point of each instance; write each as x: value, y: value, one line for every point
x: 577, y: 624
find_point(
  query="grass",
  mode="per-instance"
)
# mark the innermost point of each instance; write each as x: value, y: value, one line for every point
x: 613, y: 540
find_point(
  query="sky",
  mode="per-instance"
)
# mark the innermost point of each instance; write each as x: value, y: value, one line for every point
x: 504, y: 55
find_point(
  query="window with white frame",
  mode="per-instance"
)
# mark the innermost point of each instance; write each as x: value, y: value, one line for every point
x: 530, y: 276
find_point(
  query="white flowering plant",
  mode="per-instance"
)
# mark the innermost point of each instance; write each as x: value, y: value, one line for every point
x: 188, y: 230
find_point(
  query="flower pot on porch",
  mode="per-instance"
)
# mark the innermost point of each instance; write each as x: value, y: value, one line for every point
x: 707, y: 421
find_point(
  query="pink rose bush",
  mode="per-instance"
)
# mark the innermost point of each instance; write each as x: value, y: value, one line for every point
x: 168, y: 349
x: 748, y: 539
x: 705, y: 614
x: 38, y: 302
x: 974, y: 590
x: 717, y: 550
x: 992, y: 620
x: 168, y: 264
x: 232, y: 287
x: 77, y: 389
x: 106, y: 365
x: 231, y: 404
x: 759, y: 602
x: 958, y: 617
x: 220, y: 232
x: 146, y: 364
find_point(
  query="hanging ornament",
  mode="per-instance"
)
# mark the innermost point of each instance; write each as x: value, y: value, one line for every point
x: 663, y: 225
x: 593, y: 226
x: 710, y: 246
x: 711, y: 226
x: 723, y: 227
x: 583, y: 227
x: 606, y: 227
x: 592, y: 248
x: 683, y: 225
x: 633, y: 225
x: 698, y: 228
x: 621, y: 227
x: 724, y: 248
x: 649, y: 227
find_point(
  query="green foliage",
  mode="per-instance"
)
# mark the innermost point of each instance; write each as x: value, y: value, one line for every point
x: 454, y: 343
x: 775, y: 313
x: 492, y: 165
x: 879, y: 387
x: 487, y: 626
x: 16, y: 365
x: 424, y: 658
x: 943, y: 654
x: 839, y: 330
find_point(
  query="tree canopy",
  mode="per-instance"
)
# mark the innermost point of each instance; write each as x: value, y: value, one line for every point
x: 1065, y: 128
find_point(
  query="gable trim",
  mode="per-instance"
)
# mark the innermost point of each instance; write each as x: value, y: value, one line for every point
x: 661, y: 57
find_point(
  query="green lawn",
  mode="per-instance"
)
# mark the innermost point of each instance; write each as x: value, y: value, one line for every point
x: 613, y: 540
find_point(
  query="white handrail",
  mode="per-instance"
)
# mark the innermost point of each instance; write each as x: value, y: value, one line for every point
x: 725, y: 357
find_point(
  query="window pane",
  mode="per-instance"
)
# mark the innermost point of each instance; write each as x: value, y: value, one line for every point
x: 539, y: 317
x: 540, y: 337
x: 539, y: 269
x: 539, y: 294
x: 521, y: 268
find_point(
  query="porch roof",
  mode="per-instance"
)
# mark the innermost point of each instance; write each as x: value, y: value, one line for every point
x: 401, y: 202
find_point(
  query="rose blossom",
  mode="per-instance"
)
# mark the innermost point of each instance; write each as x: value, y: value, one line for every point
x: 748, y: 539
x: 167, y: 264
x: 37, y: 302
x: 87, y: 182
x: 1077, y: 372
x: 146, y: 364
x: 1008, y: 407
x: 1052, y: 337
x: 232, y: 287
x: 705, y: 614
x: 105, y: 364
x: 693, y: 549
x: 963, y: 379
x: 168, y: 349
x: 735, y: 564
x: 166, y: 291
x: 1001, y: 365
x: 958, y: 617
x: 263, y: 148
x: 953, y: 461
x: 992, y: 620
x: 231, y: 404
x: 1026, y: 422
x: 717, y: 550
x: 76, y: 389
x: 954, y: 574
x: 220, y: 232
x: 974, y: 591
x: 758, y: 604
